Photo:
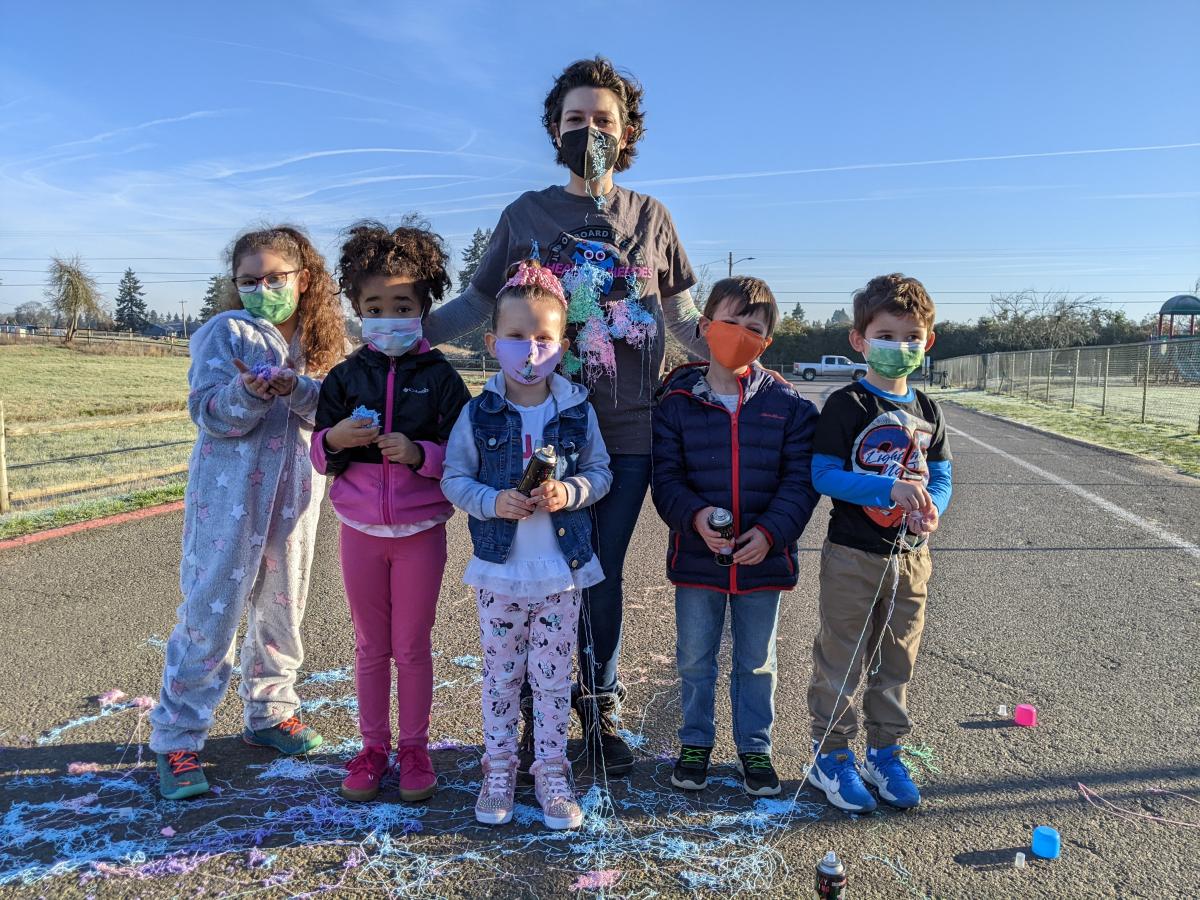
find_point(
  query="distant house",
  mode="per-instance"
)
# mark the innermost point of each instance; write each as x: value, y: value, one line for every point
x: 164, y: 329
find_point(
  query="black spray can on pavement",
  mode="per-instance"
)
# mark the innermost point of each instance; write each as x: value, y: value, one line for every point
x: 831, y: 877
x: 721, y: 521
x: 539, y: 469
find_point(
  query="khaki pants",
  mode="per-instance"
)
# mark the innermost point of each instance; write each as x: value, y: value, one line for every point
x: 850, y: 580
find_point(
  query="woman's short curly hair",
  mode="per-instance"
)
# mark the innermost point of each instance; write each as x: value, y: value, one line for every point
x: 598, y: 73
x: 410, y: 251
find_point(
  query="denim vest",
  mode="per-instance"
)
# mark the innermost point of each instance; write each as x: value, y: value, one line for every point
x: 497, y: 430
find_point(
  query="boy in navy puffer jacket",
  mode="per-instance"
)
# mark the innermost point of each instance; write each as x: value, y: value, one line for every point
x: 728, y: 436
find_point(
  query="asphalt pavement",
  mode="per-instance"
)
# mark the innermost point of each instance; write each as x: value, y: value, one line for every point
x: 1065, y: 576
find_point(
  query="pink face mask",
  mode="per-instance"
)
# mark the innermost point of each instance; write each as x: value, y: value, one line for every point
x: 528, y: 361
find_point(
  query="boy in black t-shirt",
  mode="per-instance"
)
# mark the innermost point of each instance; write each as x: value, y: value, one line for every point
x: 880, y: 453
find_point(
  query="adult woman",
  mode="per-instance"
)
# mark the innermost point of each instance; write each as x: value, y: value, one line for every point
x: 628, y: 276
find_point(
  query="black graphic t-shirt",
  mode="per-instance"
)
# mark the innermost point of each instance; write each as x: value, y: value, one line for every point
x: 633, y: 241
x: 877, y: 436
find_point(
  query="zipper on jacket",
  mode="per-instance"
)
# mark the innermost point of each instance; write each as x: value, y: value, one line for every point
x: 737, y: 503
x: 386, y: 499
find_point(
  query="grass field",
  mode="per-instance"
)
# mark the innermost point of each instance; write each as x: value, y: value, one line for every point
x: 1168, y: 444
x: 50, y: 384
x: 55, y: 383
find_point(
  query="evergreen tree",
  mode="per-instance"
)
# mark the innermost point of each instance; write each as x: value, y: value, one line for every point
x: 472, y: 257
x: 839, y: 317
x: 214, y: 297
x: 131, y: 303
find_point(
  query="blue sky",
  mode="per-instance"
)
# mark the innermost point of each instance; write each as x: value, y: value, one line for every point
x: 829, y: 143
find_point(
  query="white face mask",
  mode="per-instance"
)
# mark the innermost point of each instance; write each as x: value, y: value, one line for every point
x: 395, y: 337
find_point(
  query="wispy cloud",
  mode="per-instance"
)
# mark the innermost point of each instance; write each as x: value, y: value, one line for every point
x: 861, y: 167
x: 228, y: 172
x: 142, y: 126
x: 312, y: 88
x: 1164, y: 195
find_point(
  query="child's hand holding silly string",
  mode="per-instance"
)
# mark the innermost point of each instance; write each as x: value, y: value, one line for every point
x: 283, y: 380
x: 753, y: 547
x: 550, y: 495
x: 924, y: 521
x: 712, y: 540
x: 512, y: 504
x: 911, y: 496
x: 255, y: 380
x: 351, y: 432
x: 399, y: 449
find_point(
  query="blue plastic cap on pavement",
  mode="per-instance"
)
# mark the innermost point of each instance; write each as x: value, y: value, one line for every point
x: 1046, y: 842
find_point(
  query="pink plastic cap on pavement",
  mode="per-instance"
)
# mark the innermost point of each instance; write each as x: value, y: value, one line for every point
x: 1025, y: 715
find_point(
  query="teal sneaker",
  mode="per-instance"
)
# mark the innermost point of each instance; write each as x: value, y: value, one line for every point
x: 180, y: 775
x: 290, y: 737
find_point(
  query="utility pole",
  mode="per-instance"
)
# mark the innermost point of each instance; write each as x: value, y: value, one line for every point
x: 183, y: 318
x: 733, y: 262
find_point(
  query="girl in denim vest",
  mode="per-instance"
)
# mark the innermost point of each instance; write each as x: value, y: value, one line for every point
x: 533, y: 554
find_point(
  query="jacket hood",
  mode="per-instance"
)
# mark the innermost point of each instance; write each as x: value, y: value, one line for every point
x: 566, y: 392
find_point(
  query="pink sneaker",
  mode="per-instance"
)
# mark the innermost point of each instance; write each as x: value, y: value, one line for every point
x: 366, y: 770
x: 418, y: 781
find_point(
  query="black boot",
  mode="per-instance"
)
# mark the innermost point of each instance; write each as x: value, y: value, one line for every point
x: 525, y: 747
x: 604, y: 748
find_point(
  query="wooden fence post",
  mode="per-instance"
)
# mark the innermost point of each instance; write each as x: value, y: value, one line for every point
x: 3, y: 465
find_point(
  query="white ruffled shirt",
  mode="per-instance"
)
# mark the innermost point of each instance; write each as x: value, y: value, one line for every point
x: 536, y: 566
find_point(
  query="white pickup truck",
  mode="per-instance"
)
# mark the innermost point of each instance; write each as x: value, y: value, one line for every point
x: 830, y: 365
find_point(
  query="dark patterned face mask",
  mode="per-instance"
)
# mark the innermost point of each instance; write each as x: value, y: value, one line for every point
x: 589, y: 153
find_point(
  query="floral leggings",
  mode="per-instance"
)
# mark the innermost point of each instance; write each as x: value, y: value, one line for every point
x: 519, y: 634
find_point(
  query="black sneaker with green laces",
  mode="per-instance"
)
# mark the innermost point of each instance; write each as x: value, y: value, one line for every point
x: 758, y: 774
x: 691, y: 769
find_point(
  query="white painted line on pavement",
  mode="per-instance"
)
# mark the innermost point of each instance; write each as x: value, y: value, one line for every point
x: 1107, y: 505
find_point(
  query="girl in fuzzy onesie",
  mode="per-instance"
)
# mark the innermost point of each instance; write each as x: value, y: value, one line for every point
x: 251, y: 507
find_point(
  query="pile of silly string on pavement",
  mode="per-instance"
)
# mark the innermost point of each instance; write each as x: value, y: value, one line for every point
x: 93, y: 821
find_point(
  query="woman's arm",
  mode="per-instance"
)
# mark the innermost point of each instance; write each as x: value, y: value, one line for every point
x: 456, y: 317
x: 683, y: 321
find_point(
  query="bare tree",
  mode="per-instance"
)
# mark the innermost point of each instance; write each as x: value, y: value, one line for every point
x: 73, y: 293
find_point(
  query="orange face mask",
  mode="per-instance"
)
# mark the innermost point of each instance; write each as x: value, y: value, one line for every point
x: 734, y: 346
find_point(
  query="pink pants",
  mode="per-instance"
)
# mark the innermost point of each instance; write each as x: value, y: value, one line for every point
x: 392, y: 585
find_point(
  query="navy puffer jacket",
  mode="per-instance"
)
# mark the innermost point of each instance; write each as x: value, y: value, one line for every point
x: 754, y: 462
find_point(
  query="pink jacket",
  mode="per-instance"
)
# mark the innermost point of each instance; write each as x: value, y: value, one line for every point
x: 422, y: 391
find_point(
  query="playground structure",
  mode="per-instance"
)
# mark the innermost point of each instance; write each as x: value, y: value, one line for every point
x: 1180, y: 305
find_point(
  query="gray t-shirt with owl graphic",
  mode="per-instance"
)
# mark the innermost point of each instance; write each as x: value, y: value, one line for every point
x: 633, y: 243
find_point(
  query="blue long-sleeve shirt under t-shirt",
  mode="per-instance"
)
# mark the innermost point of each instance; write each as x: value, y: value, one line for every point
x: 866, y: 440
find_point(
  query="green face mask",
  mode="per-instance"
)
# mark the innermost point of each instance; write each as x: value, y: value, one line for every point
x: 895, y: 359
x: 274, y: 306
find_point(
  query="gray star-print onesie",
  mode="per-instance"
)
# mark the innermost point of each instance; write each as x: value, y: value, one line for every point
x: 250, y: 522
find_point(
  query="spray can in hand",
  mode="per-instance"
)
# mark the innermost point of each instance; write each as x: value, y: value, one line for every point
x: 539, y: 469
x: 831, y: 877
x: 721, y: 521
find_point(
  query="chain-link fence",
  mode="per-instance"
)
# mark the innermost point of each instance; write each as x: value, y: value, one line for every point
x: 1158, y: 381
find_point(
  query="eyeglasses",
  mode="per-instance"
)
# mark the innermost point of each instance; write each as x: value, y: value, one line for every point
x: 272, y: 281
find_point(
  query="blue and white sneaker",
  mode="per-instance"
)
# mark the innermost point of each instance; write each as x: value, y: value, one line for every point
x: 836, y: 774
x: 886, y: 770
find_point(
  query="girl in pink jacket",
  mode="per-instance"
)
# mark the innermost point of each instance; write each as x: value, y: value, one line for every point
x: 383, y: 419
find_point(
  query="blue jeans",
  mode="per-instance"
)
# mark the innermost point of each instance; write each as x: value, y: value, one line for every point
x: 699, y: 621
x: 612, y: 529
